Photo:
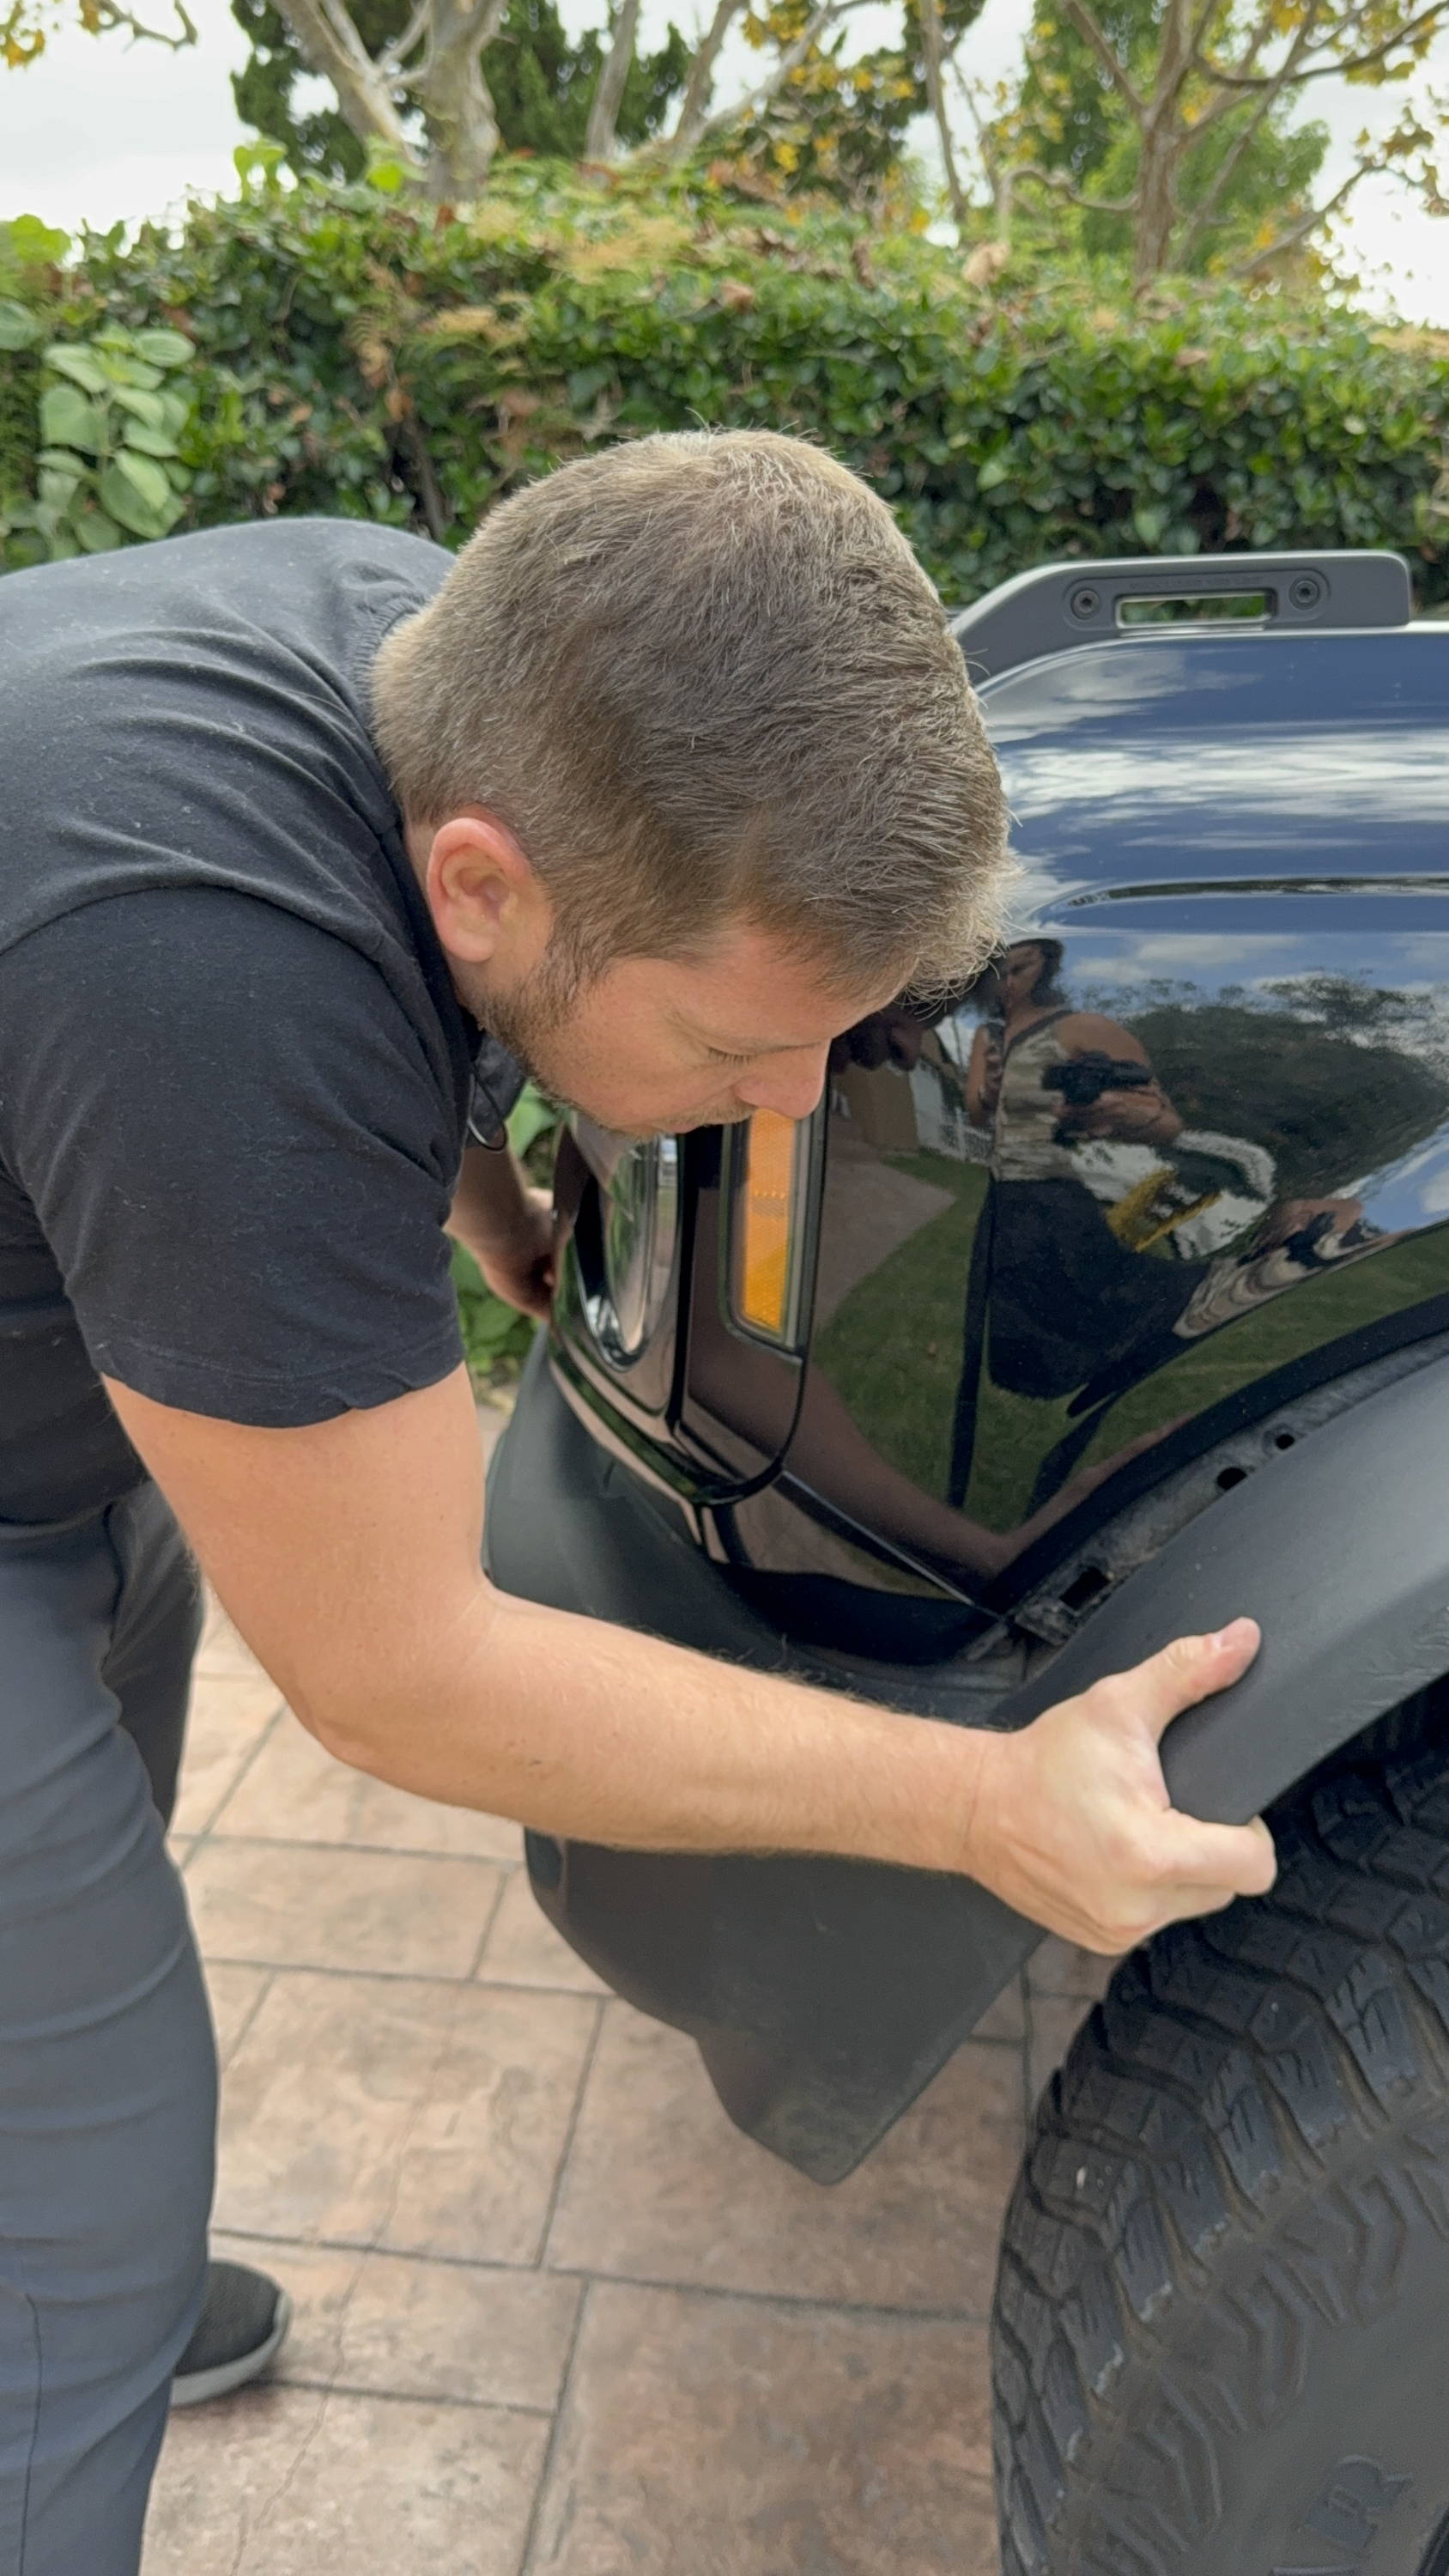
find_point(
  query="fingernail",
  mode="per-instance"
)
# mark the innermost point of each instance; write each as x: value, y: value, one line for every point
x: 1236, y: 1633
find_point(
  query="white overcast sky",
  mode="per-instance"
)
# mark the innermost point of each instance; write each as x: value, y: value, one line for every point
x: 100, y: 128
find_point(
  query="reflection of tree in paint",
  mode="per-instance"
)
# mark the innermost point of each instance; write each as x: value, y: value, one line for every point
x: 1335, y: 1078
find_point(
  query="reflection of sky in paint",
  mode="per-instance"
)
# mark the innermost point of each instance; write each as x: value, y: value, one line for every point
x: 1146, y: 762
x: 1164, y: 764
x: 1173, y: 954
x: 1410, y: 1193
x: 1186, y: 969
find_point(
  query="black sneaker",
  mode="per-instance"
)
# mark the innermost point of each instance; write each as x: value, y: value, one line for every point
x: 242, y: 2328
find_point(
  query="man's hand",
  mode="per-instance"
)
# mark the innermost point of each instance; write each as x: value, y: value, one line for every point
x: 508, y: 1227
x: 1072, y: 1823
x: 519, y: 1267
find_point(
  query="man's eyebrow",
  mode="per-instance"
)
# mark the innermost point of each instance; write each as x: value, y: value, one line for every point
x: 736, y: 1046
x: 755, y: 1046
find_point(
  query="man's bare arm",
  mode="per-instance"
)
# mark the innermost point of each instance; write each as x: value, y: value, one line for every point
x: 348, y: 1554
x: 507, y: 1225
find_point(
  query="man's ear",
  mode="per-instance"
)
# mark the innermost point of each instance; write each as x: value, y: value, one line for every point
x: 487, y: 902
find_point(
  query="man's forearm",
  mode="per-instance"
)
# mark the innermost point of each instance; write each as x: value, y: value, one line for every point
x: 598, y: 1734
x: 490, y: 1205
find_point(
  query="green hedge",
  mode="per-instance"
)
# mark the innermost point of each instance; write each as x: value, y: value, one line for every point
x: 357, y: 355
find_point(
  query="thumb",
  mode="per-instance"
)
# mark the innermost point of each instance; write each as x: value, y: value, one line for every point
x: 1188, y: 1670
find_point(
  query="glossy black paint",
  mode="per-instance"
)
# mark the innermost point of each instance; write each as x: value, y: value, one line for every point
x: 1213, y: 1154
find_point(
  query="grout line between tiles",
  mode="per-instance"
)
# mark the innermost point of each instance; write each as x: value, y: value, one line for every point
x: 487, y: 1932
x: 254, y: 1755
x: 566, y: 2151
x: 268, y: 1978
x: 551, y: 2448
x: 343, y: 1843
x: 453, y: 1981
x: 792, y: 2302
x: 414, y: 2397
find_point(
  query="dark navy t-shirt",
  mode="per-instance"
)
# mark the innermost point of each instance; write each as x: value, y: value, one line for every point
x: 234, y: 1077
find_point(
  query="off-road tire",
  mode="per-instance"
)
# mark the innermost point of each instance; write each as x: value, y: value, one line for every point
x: 1221, y: 2338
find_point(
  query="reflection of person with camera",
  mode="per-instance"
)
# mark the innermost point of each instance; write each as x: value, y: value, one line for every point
x: 1043, y: 1073
x: 1045, y: 1078
x: 1073, y: 1303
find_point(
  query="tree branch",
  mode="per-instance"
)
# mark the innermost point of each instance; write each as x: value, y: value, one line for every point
x: 1300, y: 231
x: 1428, y: 20
x: 1204, y: 212
x: 794, y: 55
x: 694, y: 108
x: 603, y: 126
x: 392, y: 57
x: 1086, y: 25
x: 331, y: 45
x: 109, y: 15
x: 1067, y: 188
x: 932, y: 48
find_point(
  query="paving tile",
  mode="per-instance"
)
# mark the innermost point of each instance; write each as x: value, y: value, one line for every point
x: 428, y: 2118
x: 661, y: 2187
x: 1006, y: 2018
x: 523, y: 1949
x: 303, y: 1905
x: 296, y: 1792
x: 235, y: 1993
x: 1055, y: 2021
x: 229, y: 1715
x: 221, y: 1650
x: 288, y: 2481
x: 390, y: 2325
x: 1060, y: 1968
x: 722, y: 2437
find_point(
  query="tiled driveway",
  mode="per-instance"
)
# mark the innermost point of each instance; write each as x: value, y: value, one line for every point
x: 554, y: 2314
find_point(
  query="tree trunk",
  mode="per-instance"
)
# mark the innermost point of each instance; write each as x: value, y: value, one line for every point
x: 1165, y: 140
x: 1155, y: 221
x: 933, y: 49
x: 456, y: 100
x: 608, y: 98
x: 332, y: 46
x: 699, y: 89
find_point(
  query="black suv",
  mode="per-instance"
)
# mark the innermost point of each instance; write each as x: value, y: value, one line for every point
x: 1103, y: 1303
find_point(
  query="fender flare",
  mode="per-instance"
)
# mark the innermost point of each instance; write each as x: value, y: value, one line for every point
x: 1339, y: 1548
x: 825, y: 1994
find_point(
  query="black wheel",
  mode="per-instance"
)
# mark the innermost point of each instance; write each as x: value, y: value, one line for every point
x: 1221, y: 2338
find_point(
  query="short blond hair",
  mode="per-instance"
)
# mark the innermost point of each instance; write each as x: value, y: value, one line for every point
x: 702, y: 678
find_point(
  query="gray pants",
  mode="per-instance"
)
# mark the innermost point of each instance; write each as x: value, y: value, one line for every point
x: 107, y: 2065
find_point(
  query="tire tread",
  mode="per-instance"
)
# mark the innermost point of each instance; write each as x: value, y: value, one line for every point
x: 1278, y: 2072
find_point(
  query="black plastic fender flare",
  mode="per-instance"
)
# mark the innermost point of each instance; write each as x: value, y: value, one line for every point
x: 825, y: 1994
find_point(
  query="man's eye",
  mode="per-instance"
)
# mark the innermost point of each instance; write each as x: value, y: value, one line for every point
x: 721, y: 1055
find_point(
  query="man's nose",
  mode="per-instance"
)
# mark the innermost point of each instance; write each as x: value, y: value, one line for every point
x: 791, y: 1085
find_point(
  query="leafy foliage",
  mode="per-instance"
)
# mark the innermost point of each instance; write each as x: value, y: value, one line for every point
x: 112, y: 409
x: 839, y: 121
x: 363, y: 356
x: 1323, y: 1108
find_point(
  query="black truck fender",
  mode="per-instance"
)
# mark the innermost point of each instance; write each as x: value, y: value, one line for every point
x: 824, y: 1994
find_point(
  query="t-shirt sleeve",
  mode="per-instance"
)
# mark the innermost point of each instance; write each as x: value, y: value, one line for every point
x: 239, y: 1152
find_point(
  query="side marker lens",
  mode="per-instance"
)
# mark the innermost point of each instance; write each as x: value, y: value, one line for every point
x: 766, y: 1224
